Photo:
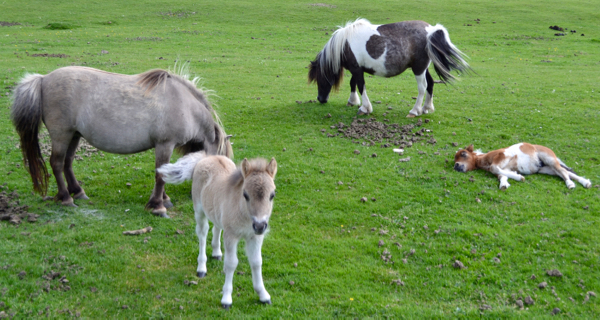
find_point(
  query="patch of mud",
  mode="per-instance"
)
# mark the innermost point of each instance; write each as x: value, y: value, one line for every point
x: 368, y: 132
x: 49, y: 55
x: 322, y: 5
x: 8, y: 24
x: 83, y: 150
x: 11, y: 211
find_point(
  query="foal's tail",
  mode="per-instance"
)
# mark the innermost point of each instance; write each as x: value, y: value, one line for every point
x: 564, y: 166
x: 26, y: 115
x: 182, y: 170
x: 445, y: 56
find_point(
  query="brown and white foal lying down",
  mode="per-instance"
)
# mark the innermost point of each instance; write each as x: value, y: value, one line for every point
x: 518, y: 159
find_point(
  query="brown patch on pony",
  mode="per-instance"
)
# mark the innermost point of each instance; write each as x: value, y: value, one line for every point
x: 530, y: 149
x: 153, y: 78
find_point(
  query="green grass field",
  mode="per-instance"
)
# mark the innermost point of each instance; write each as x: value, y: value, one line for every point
x: 323, y: 255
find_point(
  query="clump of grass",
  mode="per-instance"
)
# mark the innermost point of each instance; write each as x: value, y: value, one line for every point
x: 60, y: 26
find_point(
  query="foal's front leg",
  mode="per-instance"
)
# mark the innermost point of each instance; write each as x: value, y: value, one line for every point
x: 503, y: 182
x: 202, y: 233
x: 253, y: 251
x: 230, y: 262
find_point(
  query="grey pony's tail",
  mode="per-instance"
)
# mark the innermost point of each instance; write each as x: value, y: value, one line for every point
x: 444, y: 55
x: 182, y: 170
x: 26, y: 115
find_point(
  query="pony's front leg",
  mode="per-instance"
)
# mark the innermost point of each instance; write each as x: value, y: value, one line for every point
x: 354, y: 100
x: 366, y: 106
x: 72, y: 184
x: 163, y: 155
x: 417, y: 110
x: 253, y: 251
x: 230, y: 262
x: 202, y: 232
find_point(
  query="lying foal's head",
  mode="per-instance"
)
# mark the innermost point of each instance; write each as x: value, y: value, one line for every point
x: 465, y: 159
x: 258, y: 190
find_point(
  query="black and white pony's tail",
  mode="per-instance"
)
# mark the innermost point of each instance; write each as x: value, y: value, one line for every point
x: 444, y: 55
x: 182, y: 170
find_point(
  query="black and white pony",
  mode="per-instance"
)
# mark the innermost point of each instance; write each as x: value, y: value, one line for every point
x: 386, y: 50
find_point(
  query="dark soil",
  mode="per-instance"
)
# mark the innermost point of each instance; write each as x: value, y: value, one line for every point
x: 49, y: 55
x: 9, y: 24
x: 369, y: 132
x: 11, y: 211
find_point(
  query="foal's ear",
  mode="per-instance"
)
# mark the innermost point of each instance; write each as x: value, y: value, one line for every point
x: 272, y: 168
x: 244, y: 167
x: 470, y: 148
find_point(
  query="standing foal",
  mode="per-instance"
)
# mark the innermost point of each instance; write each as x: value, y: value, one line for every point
x: 237, y: 201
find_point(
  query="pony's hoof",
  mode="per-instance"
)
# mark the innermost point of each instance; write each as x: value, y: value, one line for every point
x: 226, y: 306
x: 201, y: 274
x: 69, y: 203
x: 161, y: 212
x: 360, y: 112
x: 48, y: 198
x: 217, y: 257
x: 168, y: 204
x: 81, y: 196
x: 266, y: 302
x: 410, y: 115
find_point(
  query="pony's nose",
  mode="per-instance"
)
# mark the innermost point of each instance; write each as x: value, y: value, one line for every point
x: 259, y: 227
x: 321, y: 99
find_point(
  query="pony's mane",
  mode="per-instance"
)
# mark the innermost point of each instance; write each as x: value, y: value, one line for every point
x: 329, y: 60
x: 258, y: 165
x: 156, y: 77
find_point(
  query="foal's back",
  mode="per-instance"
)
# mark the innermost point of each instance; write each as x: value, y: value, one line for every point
x: 211, y: 188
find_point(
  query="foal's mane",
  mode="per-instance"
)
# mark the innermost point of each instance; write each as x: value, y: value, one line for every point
x: 258, y: 165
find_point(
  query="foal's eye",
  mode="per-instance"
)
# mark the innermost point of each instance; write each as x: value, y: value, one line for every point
x: 246, y: 196
x: 272, y: 196
x: 463, y: 154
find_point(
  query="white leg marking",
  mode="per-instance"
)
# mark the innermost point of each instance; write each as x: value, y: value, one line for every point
x: 429, y: 108
x: 216, y: 243
x: 253, y: 251
x: 503, y: 182
x: 511, y: 174
x: 417, y: 110
x: 230, y: 262
x: 201, y: 231
x: 584, y: 182
x: 354, y: 100
x: 366, y: 106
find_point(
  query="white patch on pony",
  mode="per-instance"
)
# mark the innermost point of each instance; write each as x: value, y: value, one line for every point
x: 478, y: 152
x: 366, y: 106
x: 335, y: 46
x: 417, y: 110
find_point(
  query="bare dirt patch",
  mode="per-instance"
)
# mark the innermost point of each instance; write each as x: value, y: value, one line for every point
x: 11, y: 211
x: 369, y: 132
x: 49, y: 55
x: 9, y: 24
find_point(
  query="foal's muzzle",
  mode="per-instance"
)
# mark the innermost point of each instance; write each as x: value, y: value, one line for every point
x: 260, y: 227
x: 459, y: 167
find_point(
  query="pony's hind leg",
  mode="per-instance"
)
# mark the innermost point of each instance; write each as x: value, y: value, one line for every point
x: 417, y: 110
x: 167, y: 200
x: 163, y: 155
x: 230, y: 262
x: 354, y: 100
x: 72, y: 184
x: 556, y: 170
x: 202, y: 233
x: 57, y: 162
x: 216, y: 243
x: 253, y: 251
x: 428, y: 106
x: 584, y: 182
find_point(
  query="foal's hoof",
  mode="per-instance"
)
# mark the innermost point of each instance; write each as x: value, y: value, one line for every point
x: 201, y: 274
x: 266, y: 302
x: 226, y: 306
x: 168, y: 204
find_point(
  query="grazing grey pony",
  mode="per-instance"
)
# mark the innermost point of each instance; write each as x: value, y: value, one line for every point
x: 237, y: 201
x: 115, y: 113
x: 386, y: 50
